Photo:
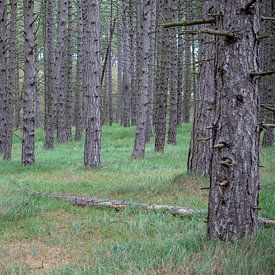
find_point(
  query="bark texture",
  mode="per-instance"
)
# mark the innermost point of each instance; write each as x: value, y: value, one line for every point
x: 234, y: 168
x: 267, y: 64
x: 162, y: 78
x: 201, y: 141
x: 92, y: 151
x: 146, y: 8
x: 50, y: 95
x: 28, y: 156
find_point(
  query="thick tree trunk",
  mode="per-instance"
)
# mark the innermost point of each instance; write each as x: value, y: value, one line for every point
x: 28, y: 156
x: 92, y: 152
x: 234, y: 168
x: 201, y: 141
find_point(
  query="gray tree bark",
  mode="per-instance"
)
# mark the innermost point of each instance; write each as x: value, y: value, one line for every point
x: 69, y: 73
x: 234, y: 168
x: 173, y: 118
x: 162, y: 79
x: 201, y: 141
x: 145, y: 12
x: 60, y: 79
x: 268, y: 63
x: 92, y: 151
x: 28, y: 155
x: 79, y: 93
x: 50, y: 94
x: 3, y: 69
x: 126, y: 76
x: 187, y: 70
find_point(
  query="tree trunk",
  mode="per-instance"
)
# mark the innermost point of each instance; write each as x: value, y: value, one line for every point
x: 126, y: 78
x: 151, y: 75
x: 234, y: 168
x: 3, y: 69
x: 28, y: 156
x: 109, y: 74
x: 162, y: 79
x: 145, y: 12
x: 172, y: 132
x: 50, y: 92
x: 60, y: 72
x: 79, y: 100
x: 268, y: 63
x: 187, y: 71
x: 12, y: 82
x: 92, y: 154
x: 69, y: 74
x: 180, y: 68
x: 201, y: 143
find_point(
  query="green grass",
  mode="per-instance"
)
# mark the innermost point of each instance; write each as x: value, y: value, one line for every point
x: 40, y: 235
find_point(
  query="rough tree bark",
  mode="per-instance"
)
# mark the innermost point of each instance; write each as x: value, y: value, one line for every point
x: 92, y: 154
x: 79, y: 100
x: 50, y: 98
x: 201, y: 143
x: 109, y: 69
x: 234, y: 168
x: 268, y: 63
x: 162, y: 79
x: 69, y: 74
x: 28, y: 156
x: 3, y: 69
x: 126, y: 76
x: 173, y: 118
x: 151, y: 76
x: 144, y: 44
x: 187, y: 71
x: 60, y: 72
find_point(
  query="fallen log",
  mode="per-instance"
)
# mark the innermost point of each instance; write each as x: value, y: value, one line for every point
x: 118, y: 205
x: 83, y: 201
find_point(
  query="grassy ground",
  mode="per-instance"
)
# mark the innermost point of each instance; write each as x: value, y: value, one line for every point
x: 41, y: 235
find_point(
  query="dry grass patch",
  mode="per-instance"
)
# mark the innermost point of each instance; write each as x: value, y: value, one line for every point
x: 37, y: 256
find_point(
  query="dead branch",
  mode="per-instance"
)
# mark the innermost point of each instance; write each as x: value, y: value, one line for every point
x: 188, y: 23
x: 120, y: 205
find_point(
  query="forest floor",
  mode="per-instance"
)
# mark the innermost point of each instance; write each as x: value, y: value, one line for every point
x: 42, y: 235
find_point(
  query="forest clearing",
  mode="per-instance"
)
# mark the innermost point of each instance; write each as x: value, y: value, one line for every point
x: 45, y: 235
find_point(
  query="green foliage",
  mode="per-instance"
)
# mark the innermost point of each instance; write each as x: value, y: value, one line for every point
x: 55, y: 237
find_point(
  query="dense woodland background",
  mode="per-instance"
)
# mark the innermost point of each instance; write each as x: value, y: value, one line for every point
x: 165, y: 101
